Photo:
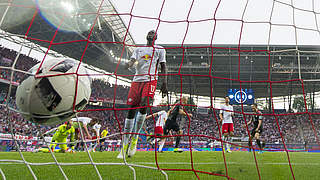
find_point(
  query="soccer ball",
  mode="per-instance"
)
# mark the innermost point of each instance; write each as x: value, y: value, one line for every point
x: 49, y: 97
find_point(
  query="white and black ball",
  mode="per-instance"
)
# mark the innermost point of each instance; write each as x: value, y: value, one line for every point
x: 49, y: 97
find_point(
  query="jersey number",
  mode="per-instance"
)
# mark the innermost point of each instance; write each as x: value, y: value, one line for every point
x: 152, y: 89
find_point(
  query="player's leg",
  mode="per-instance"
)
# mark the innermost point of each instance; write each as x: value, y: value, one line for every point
x: 162, y: 142
x: 146, y: 100
x: 225, y: 139
x: 128, y: 128
x: 230, y: 135
x: 63, y: 147
x: 225, y: 136
x: 77, y: 134
x: 178, y: 137
x: 147, y: 93
x: 250, y: 139
x: 53, y: 145
x: 259, y: 143
x: 159, y: 131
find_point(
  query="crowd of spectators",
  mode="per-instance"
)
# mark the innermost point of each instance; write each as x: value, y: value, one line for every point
x: 23, y: 63
x: 108, y: 92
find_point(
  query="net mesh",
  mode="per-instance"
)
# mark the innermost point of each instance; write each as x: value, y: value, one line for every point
x: 13, y: 68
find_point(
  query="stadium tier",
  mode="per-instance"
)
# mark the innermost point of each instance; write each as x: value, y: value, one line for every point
x: 184, y: 89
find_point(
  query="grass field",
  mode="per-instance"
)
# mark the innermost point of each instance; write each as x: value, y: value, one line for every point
x: 241, y: 165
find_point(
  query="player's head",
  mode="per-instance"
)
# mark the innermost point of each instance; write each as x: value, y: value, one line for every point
x: 68, y: 123
x: 184, y: 99
x: 152, y: 35
x: 93, y: 121
x: 226, y: 99
x: 254, y: 107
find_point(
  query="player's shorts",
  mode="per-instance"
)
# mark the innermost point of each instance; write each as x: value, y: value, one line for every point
x: 227, y: 127
x: 253, y: 131
x: 158, y: 130
x: 170, y: 125
x: 138, y: 90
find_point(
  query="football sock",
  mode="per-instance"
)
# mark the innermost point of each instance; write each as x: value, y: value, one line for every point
x: 138, y: 124
x: 128, y: 126
x: 259, y: 143
x: 228, y: 140
x: 177, y: 141
x: 162, y: 144
x: 250, y: 144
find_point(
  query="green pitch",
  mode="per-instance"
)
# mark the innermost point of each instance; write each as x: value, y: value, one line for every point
x: 241, y: 165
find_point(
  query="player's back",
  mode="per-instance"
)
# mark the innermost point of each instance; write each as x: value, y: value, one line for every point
x: 81, y: 120
x: 174, y: 113
x: 162, y: 118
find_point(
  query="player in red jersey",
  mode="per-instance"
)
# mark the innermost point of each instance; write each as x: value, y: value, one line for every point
x: 226, y: 113
x: 158, y: 130
x: 142, y: 89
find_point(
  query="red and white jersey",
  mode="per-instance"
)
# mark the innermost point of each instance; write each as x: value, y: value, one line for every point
x: 145, y: 62
x: 226, y: 111
x: 162, y: 118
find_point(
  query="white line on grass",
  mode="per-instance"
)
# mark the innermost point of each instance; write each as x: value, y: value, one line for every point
x: 165, y: 163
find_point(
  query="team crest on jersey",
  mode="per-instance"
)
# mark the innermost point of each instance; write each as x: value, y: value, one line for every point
x: 146, y: 57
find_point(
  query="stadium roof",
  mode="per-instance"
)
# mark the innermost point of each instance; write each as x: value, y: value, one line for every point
x: 106, y: 38
x: 249, y: 64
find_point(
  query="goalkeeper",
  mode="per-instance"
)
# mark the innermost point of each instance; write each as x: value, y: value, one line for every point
x: 60, y: 136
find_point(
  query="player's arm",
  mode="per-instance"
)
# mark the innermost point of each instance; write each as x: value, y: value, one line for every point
x: 249, y: 122
x: 181, y: 111
x: 98, y: 135
x: 130, y: 63
x: 87, y: 132
x: 163, y: 88
x: 232, y: 113
x: 152, y: 115
x: 260, y: 122
x: 50, y: 131
x: 221, y: 116
x: 58, y: 132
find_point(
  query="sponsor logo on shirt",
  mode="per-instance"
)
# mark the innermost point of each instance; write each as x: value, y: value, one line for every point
x: 146, y: 57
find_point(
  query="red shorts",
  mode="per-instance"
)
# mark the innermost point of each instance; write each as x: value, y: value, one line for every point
x: 227, y: 127
x: 158, y: 130
x: 139, y: 90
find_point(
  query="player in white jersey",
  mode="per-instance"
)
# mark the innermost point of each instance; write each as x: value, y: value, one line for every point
x: 142, y: 89
x: 96, y: 128
x: 84, y: 122
x: 158, y: 130
x: 226, y: 113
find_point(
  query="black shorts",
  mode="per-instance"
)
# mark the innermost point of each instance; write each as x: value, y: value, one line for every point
x: 253, y: 131
x: 170, y: 125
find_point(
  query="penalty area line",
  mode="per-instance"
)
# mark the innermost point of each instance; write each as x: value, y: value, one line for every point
x: 187, y: 163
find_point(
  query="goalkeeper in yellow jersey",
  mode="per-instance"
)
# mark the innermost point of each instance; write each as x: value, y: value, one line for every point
x: 102, y: 146
x: 104, y: 133
x: 60, y: 136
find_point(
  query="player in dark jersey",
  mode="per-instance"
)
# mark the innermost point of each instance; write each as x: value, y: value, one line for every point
x: 257, y: 129
x: 171, y: 123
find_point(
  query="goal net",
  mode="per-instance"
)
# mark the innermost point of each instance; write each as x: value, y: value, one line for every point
x: 252, y: 52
